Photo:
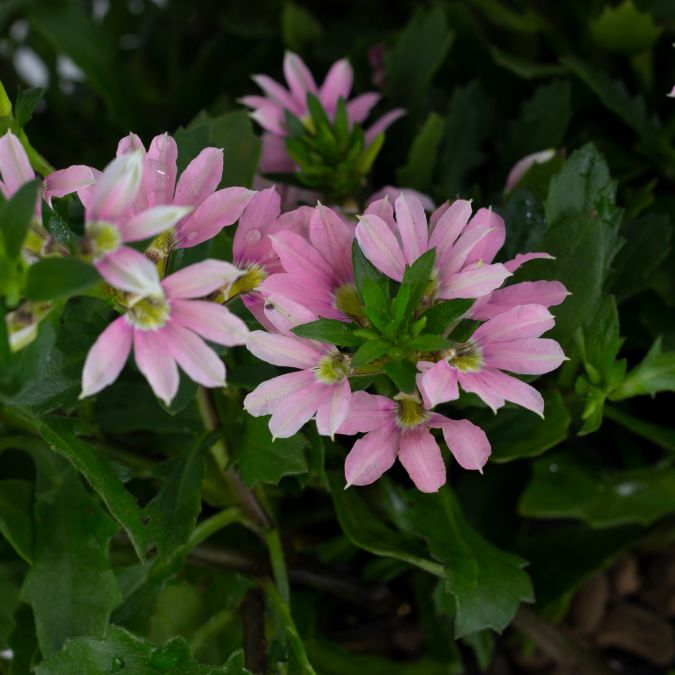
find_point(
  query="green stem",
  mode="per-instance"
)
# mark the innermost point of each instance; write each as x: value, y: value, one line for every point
x: 278, y: 562
x: 211, y: 525
x: 214, y: 625
x: 283, y: 614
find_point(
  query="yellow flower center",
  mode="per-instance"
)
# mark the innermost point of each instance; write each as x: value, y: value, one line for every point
x: 332, y: 368
x: 348, y: 302
x: 102, y: 237
x: 148, y: 313
x: 466, y: 357
x: 247, y: 282
x: 410, y: 411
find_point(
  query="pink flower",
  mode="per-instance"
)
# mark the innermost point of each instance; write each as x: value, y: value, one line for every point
x: 510, y: 341
x: 319, y: 388
x: 401, y: 428
x: 318, y: 272
x: 209, y: 209
x: 15, y: 166
x: 269, y: 110
x: 521, y: 167
x: 672, y: 93
x: 165, y: 328
x: 464, y: 248
x: 392, y: 193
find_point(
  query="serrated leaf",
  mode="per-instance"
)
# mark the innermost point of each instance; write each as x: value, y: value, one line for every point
x: 331, y: 331
x: 59, y: 278
x: 402, y: 373
x: 15, y: 217
x: 368, y: 352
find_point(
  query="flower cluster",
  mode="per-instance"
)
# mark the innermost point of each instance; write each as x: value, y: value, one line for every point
x: 379, y: 319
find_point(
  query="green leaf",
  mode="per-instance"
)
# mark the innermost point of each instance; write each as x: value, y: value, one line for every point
x: 572, y: 485
x: 416, y: 280
x: 373, y: 289
x: 24, y: 106
x: 70, y: 586
x: 624, y: 29
x: 402, y: 373
x: 429, y: 343
x: 524, y: 68
x: 59, y: 278
x: 662, y: 436
x: 486, y: 583
x: 655, y: 373
x: 16, y: 522
x: 299, y: 27
x: 417, y: 173
x: 261, y: 459
x: 171, y: 516
x: 15, y: 217
x: 9, y: 592
x: 331, y: 331
x: 418, y: 54
x: 516, y: 433
x: 369, y: 351
x: 127, y: 654
x: 442, y: 314
x: 60, y: 434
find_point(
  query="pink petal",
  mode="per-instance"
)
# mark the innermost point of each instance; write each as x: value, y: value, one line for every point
x: 436, y: 215
x: 372, y: 455
x: 200, y: 178
x: 318, y: 298
x: 274, y: 158
x: 279, y: 94
x: 421, y: 457
x: 533, y: 356
x: 107, y: 357
x: 437, y: 384
x: 338, y: 84
x: 116, y: 189
x: 297, y: 409
x: 270, y: 395
x: 299, y: 77
x: 380, y: 246
x: 383, y: 124
x: 283, y: 350
x: 210, y: 320
x: 157, y: 366
x: 467, y: 442
x: 333, y: 411
x: 14, y: 163
x: 286, y: 314
x: 546, y: 293
x: 382, y: 208
x: 130, y: 271
x: 522, y: 258
x: 271, y: 118
x: 412, y: 226
x: 521, y: 167
x: 298, y: 257
x: 475, y: 383
x: 200, y: 279
x: 486, y: 250
x: 152, y: 222
x: 159, y: 172
x: 463, y: 253
x: 73, y: 179
x: 448, y: 228
x: 359, y: 107
x: 514, y: 390
x: 522, y: 321
x: 216, y: 212
x: 192, y: 354
x: 393, y: 193
x: 250, y: 243
x: 472, y: 283
x: 367, y: 412
x: 130, y: 143
x: 333, y: 239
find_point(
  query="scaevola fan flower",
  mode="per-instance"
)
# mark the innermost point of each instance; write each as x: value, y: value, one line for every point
x: 207, y: 209
x: 269, y: 110
x: 167, y: 329
x: 15, y: 168
x: 465, y: 246
x: 401, y: 429
x: 510, y: 342
x: 319, y: 388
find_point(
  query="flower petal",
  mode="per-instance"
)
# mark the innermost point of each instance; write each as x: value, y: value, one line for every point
x: 395, y: 192
x: 212, y: 321
x: 512, y: 389
x: 130, y: 271
x: 366, y: 413
x: 286, y: 314
x: 200, y: 178
x: 382, y: 208
x: 279, y: 94
x: 372, y: 455
x: 360, y: 106
x: 269, y: 395
x: 157, y: 366
x: 522, y: 321
x: 380, y: 246
x: 271, y: 119
x: 382, y: 124
x: 216, y: 212
x: 297, y: 409
x: 116, y: 189
x: 73, y: 179
x: 521, y: 167
x: 412, y: 226
x: 107, y: 357
x: 159, y: 172
x: 438, y: 384
x: 333, y: 411
x: 467, y: 442
x: 283, y: 350
x: 533, y: 356
x: 200, y: 279
x: 130, y: 143
x: 338, y: 84
x: 448, y: 228
x: 475, y: 383
x: 151, y: 222
x: 333, y: 239
x: 472, y: 283
x: 193, y: 355
x: 522, y: 258
x: 421, y: 457
x: 546, y: 293
x: 486, y: 220
x: 250, y: 243
x: 299, y: 77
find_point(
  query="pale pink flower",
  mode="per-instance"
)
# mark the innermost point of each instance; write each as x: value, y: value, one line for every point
x: 510, y: 341
x: 464, y: 246
x: 672, y: 93
x: 209, y: 209
x: 401, y: 429
x: 317, y: 271
x: 15, y: 168
x: 521, y: 167
x: 166, y: 331
x: 392, y: 193
x: 318, y: 389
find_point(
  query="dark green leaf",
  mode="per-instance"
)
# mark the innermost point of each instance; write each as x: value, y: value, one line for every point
x: 15, y: 217
x: 25, y: 104
x: 416, y: 279
x: 368, y: 352
x: 444, y: 313
x: 417, y: 172
x: 624, y: 29
x: 9, y: 592
x: 16, y: 522
x: 373, y: 289
x: 524, y: 68
x: 429, y: 343
x: 662, y: 436
x: 402, y: 373
x: 59, y: 278
x: 299, y: 27
x: 655, y: 373
x: 329, y: 330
